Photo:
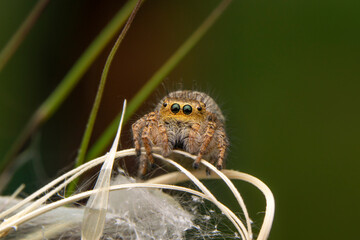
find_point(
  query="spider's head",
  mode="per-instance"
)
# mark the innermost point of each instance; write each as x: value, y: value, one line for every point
x: 183, y: 110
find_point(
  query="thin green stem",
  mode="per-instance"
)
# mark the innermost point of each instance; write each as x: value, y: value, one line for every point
x: 90, y: 125
x: 53, y: 102
x: 77, y: 71
x: 21, y: 33
x: 156, y: 79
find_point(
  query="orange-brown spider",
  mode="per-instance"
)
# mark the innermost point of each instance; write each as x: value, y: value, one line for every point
x: 186, y: 120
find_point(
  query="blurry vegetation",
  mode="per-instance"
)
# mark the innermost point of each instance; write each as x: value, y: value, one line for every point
x: 285, y: 73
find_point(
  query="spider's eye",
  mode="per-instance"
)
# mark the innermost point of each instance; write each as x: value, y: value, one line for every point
x: 199, y: 108
x: 187, y: 109
x: 175, y: 108
x: 164, y: 104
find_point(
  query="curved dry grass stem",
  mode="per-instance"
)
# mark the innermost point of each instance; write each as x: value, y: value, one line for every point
x: 270, y: 200
x: 178, y: 177
x: 46, y: 208
x: 48, y: 186
x: 36, y: 208
x: 232, y: 217
x: 230, y: 185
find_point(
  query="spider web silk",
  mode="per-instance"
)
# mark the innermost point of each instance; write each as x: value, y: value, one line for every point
x: 132, y: 214
x: 135, y: 214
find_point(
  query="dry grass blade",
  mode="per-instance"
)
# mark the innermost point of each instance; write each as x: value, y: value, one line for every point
x: 96, y: 207
x: 178, y: 177
x: 77, y: 171
x: 230, y: 185
x: 270, y: 200
x: 18, y: 190
x: 162, y: 182
x: 232, y: 217
x: 13, y: 196
x: 79, y: 196
x: 69, y: 176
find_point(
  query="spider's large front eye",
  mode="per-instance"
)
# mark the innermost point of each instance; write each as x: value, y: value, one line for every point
x: 187, y: 109
x: 175, y: 108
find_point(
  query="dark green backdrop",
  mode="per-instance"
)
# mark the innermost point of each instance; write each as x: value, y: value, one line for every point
x: 286, y: 74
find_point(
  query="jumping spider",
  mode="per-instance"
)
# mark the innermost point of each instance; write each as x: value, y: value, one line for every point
x: 186, y: 120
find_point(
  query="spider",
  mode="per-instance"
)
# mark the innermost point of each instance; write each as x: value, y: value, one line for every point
x: 187, y: 120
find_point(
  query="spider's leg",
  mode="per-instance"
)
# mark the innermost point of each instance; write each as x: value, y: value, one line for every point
x: 137, y: 129
x: 192, y: 144
x: 209, y: 133
x: 222, y: 144
x: 143, y: 166
x: 146, y: 136
x: 164, y: 139
x: 212, y: 160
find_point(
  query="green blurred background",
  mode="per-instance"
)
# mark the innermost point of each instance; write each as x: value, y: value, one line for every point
x: 286, y: 74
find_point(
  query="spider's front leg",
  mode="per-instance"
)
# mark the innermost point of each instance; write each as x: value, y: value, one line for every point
x: 143, y: 166
x: 154, y: 134
x: 209, y: 133
x: 192, y: 144
x: 147, y: 135
x: 137, y: 129
x: 163, y: 139
x: 222, y: 145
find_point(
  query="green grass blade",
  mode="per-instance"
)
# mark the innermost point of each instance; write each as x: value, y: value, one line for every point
x: 156, y: 79
x: 90, y: 125
x: 15, y: 41
x: 73, y: 76
x: 52, y: 103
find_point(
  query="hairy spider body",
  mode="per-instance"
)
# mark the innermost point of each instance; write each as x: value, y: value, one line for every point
x: 186, y: 120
